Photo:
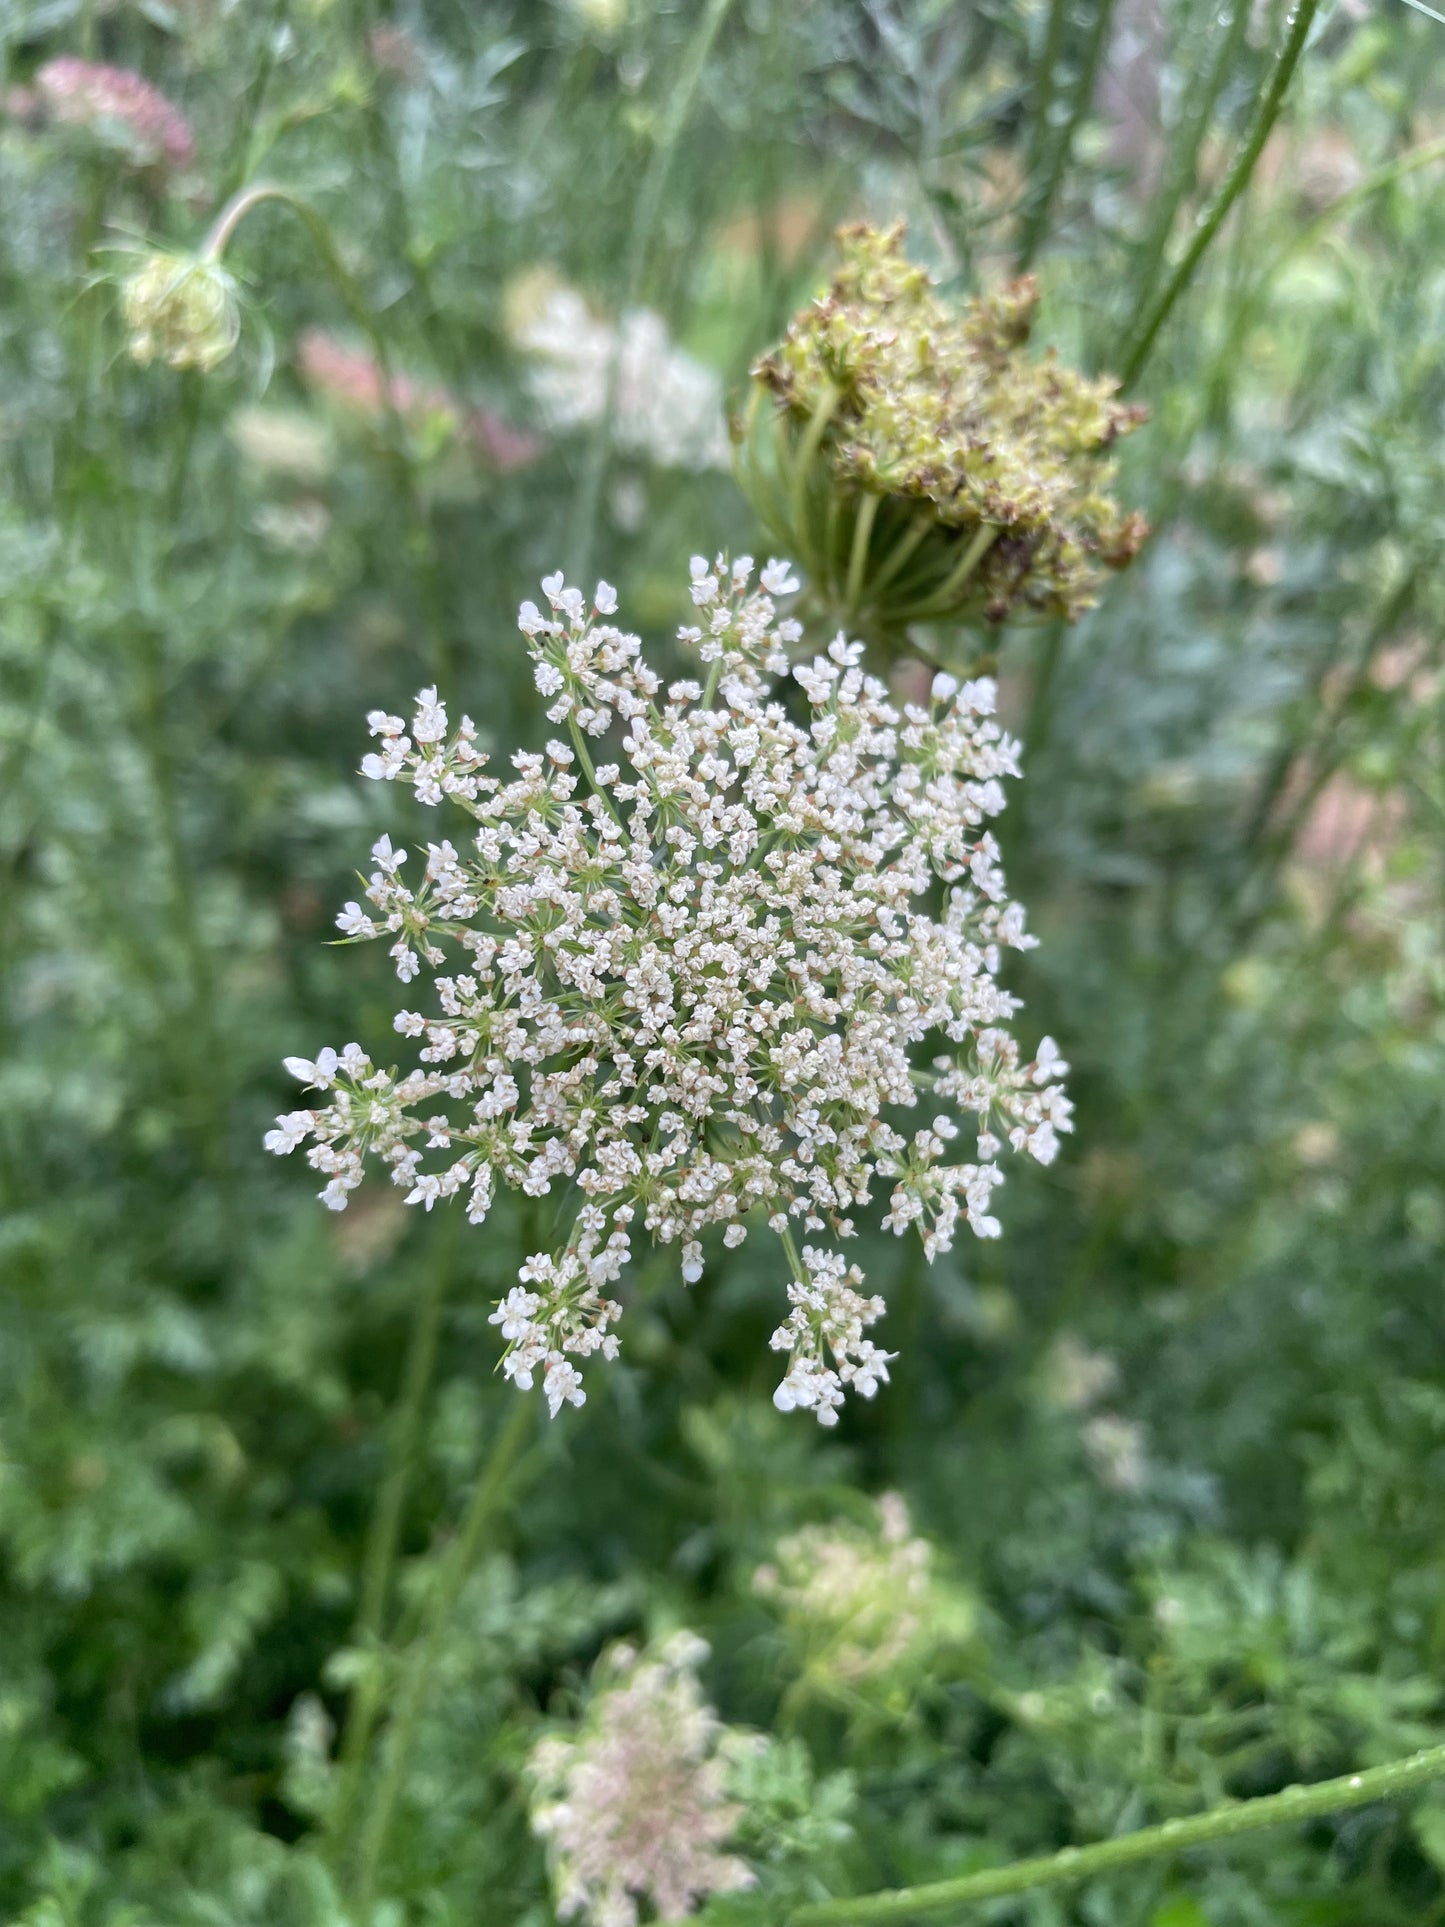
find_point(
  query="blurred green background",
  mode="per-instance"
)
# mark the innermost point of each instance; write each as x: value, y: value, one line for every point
x: 1177, y: 1440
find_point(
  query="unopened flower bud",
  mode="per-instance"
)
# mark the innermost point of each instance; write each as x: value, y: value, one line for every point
x: 182, y: 309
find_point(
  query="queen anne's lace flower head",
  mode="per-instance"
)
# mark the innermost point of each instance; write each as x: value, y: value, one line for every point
x: 634, y: 1805
x: 689, y: 986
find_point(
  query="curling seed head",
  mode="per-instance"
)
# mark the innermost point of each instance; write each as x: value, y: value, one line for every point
x: 980, y: 472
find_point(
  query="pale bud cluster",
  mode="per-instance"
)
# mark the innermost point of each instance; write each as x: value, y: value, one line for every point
x: 634, y: 1806
x: 862, y: 1598
x: 688, y: 987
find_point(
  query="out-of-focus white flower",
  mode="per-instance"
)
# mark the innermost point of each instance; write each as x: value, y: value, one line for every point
x: 634, y: 1803
x: 1076, y: 1377
x: 282, y: 441
x: 298, y: 528
x: 1115, y: 1447
x: 690, y: 986
x: 666, y: 404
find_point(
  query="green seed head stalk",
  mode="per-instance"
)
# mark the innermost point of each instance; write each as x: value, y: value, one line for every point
x: 922, y: 465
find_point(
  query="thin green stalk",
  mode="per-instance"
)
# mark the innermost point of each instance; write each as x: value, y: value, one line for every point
x: 649, y: 205
x: 1267, y: 844
x: 901, y: 550
x: 792, y: 1254
x: 1184, y: 156
x: 939, y: 600
x: 826, y: 571
x: 379, y: 1561
x: 805, y: 451
x: 1244, y: 309
x: 1074, y: 1864
x: 759, y: 482
x: 584, y: 757
x: 243, y: 143
x: 201, y: 1049
x: 858, y: 555
x: 1212, y: 218
x: 1382, y: 177
x: 419, y: 1663
x: 1041, y: 699
x: 1036, y: 226
x: 1043, y: 98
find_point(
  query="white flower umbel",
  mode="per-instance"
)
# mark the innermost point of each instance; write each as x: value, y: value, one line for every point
x: 691, y: 984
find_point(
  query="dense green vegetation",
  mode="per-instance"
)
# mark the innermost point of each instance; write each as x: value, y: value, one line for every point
x: 293, y: 1582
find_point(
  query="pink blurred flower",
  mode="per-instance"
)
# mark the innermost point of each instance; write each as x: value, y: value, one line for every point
x: 351, y: 377
x: 634, y: 1803
x: 1347, y: 822
x: 111, y: 101
x: 395, y: 52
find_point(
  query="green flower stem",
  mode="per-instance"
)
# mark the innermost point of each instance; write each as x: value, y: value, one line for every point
x: 1184, y: 160
x: 394, y: 440
x: 1382, y: 177
x: 584, y: 757
x: 793, y: 1255
x: 806, y: 450
x: 939, y: 601
x: 384, y: 1537
x: 1074, y: 1864
x: 902, y: 549
x: 758, y: 481
x: 644, y: 221
x: 1251, y: 304
x: 858, y: 556
x: 826, y: 572
x: 200, y: 1046
x: 1043, y: 97
x: 419, y: 1663
x: 1267, y: 843
x: 1233, y: 184
x: 243, y: 144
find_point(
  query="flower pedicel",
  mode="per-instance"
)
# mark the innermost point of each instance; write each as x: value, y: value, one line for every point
x: 691, y: 985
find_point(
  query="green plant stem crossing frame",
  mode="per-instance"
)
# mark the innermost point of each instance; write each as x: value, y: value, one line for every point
x: 1073, y: 1864
x: 1212, y: 218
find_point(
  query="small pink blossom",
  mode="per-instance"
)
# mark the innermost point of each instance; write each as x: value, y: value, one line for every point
x: 352, y: 378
